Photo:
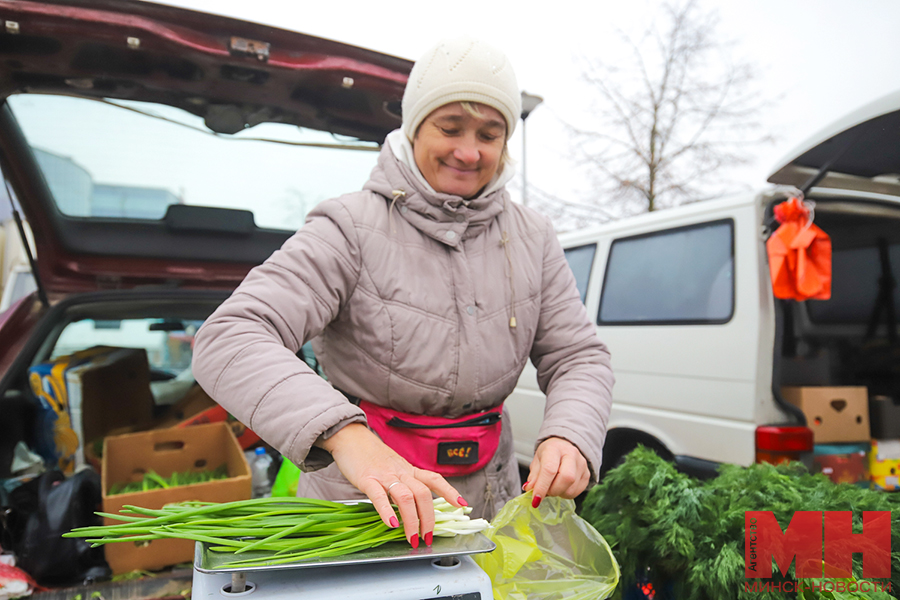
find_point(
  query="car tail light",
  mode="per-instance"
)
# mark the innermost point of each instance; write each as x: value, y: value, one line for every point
x: 776, y: 444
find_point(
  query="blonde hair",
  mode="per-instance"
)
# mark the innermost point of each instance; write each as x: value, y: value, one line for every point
x: 472, y: 109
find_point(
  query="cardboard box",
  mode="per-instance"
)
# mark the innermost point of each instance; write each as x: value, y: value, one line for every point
x: 245, y: 436
x: 101, y: 390
x: 197, y: 408
x: 194, y: 402
x: 884, y: 464
x: 835, y: 414
x: 127, y: 457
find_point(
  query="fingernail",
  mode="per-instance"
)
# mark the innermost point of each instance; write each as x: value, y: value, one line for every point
x: 395, y: 522
x: 525, y: 485
x: 414, y: 540
x: 462, y: 501
x: 428, y: 538
x: 535, y: 502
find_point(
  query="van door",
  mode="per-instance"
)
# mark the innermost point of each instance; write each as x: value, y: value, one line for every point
x: 681, y: 310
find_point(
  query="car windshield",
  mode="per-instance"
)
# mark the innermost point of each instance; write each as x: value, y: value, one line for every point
x: 115, y: 158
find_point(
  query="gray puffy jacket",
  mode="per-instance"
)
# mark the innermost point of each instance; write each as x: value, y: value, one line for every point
x: 408, y: 297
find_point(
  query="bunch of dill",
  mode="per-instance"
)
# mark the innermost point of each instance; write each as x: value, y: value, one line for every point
x: 688, y: 535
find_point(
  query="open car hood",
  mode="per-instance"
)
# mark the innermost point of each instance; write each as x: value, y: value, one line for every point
x: 229, y: 73
x: 858, y: 153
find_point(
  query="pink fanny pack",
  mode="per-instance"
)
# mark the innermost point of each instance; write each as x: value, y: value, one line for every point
x: 451, y: 447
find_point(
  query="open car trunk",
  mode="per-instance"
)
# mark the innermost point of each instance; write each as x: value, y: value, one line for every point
x: 157, y: 155
x: 157, y: 325
x: 852, y: 338
x: 851, y: 171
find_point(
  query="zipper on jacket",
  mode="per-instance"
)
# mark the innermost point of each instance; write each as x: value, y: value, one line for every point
x: 479, y: 421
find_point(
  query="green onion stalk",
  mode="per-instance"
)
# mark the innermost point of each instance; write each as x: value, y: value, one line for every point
x: 286, y: 529
x: 153, y: 481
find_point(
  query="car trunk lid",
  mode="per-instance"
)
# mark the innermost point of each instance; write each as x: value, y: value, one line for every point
x: 227, y: 77
x: 858, y: 153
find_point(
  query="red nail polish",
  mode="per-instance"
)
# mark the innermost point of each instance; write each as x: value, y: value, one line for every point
x: 395, y: 522
x: 428, y: 538
x: 525, y: 485
x: 462, y: 501
x: 414, y: 541
x: 535, y: 502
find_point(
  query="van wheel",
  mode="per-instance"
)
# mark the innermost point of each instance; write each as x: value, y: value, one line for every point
x: 620, y: 443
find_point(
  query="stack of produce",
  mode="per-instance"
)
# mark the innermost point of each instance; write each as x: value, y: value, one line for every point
x: 154, y: 481
x: 688, y: 535
x: 285, y: 529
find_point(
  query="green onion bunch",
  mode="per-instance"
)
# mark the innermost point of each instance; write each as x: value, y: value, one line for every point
x: 154, y: 481
x: 286, y: 529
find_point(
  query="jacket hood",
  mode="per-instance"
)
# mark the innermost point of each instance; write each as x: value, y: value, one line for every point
x: 445, y: 217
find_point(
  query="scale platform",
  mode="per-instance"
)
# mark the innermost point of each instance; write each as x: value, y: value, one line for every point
x: 443, y: 571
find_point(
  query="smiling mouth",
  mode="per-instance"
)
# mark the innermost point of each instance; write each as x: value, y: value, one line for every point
x: 461, y: 170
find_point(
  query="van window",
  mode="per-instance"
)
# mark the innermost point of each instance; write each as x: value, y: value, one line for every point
x: 856, y: 274
x: 580, y: 260
x: 678, y: 276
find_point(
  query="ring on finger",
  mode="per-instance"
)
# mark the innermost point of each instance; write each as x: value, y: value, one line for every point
x: 392, y: 485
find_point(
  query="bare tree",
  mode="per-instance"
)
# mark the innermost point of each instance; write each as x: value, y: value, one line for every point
x: 671, y: 117
x: 565, y: 214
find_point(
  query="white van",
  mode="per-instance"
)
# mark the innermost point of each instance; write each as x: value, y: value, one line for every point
x: 700, y: 347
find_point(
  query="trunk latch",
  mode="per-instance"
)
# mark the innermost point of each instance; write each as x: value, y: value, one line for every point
x: 242, y: 46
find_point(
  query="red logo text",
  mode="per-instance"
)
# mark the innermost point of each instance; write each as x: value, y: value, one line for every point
x: 808, y: 533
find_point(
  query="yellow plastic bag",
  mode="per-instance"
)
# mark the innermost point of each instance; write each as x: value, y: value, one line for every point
x: 547, y: 553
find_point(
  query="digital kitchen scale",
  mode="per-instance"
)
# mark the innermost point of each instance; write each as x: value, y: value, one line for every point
x: 443, y: 571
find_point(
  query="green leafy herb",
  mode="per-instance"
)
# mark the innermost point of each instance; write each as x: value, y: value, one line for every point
x: 690, y: 534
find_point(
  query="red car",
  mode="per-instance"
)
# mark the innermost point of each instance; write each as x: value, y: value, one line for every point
x: 158, y: 154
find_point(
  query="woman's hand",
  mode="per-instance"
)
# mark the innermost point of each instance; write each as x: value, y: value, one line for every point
x: 558, y: 469
x: 383, y: 475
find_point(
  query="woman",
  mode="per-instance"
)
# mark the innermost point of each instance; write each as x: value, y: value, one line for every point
x: 424, y: 294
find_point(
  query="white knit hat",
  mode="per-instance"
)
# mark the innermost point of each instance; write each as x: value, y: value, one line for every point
x: 461, y: 70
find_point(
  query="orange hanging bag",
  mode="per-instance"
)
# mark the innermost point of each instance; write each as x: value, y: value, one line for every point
x: 799, y: 254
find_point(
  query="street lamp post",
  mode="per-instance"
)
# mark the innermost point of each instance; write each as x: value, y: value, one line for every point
x: 529, y: 103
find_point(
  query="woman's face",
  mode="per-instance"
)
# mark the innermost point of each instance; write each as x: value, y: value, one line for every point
x: 457, y: 152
